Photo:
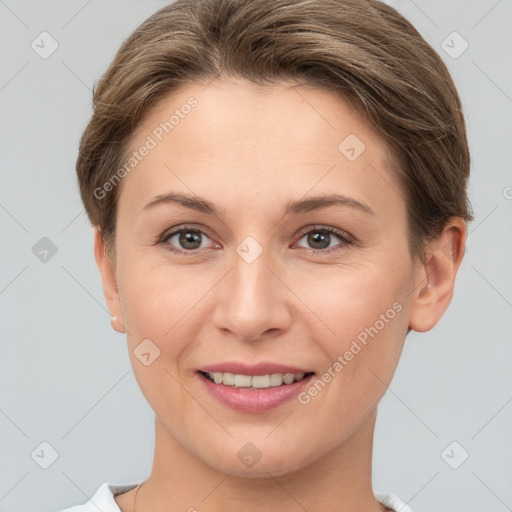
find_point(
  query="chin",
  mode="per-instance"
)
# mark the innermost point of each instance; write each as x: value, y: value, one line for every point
x: 250, y: 462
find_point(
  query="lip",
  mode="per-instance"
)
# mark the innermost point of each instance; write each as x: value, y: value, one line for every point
x: 251, y: 399
x: 263, y: 368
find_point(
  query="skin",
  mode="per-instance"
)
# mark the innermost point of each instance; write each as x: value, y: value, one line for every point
x: 250, y: 150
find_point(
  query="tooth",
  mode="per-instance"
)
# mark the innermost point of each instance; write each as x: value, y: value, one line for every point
x: 256, y: 381
x: 242, y: 381
x: 276, y: 379
x: 288, y: 378
x: 261, y: 381
x: 229, y: 379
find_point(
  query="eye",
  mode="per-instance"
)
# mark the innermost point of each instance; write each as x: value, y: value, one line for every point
x: 188, y: 240
x: 188, y: 237
x: 320, y: 238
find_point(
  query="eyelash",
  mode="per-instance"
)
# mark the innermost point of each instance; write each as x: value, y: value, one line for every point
x: 346, y: 239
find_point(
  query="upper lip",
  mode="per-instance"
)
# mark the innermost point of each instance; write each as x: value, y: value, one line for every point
x: 263, y: 368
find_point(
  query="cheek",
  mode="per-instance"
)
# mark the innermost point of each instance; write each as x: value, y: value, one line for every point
x: 164, y: 310
x: 162, y: 325
x: 353, y: 296
x: 364, y: 310
x: 159, y: 298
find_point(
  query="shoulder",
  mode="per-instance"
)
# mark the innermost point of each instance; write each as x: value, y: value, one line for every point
x: 103, y: 499
x: 391, y: 501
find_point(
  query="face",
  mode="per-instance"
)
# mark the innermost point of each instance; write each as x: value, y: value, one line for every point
x: 253, y: 260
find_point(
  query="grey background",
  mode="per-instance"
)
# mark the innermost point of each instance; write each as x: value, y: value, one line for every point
x: 65, y: 376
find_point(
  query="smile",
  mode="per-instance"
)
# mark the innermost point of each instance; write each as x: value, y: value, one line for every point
x: 254, y: 393
x: 255, y: 381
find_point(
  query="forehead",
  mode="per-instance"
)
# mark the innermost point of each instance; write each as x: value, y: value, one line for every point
x: 235, y: 139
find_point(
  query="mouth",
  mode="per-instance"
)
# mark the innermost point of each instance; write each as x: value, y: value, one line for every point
x: 254, y: 393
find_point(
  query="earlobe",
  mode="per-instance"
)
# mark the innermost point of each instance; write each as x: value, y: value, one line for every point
x: 435, y: 279
x: 109, y: 281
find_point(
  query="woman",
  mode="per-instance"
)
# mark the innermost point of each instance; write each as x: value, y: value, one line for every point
x: 278, y: 190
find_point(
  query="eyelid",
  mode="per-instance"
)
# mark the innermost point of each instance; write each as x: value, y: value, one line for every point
x: 301, y: 233
x: 346, y: 238
x: 344, y: 235
x: 182, y: 227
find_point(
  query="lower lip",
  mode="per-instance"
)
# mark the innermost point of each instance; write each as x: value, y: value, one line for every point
x: 253, y: 399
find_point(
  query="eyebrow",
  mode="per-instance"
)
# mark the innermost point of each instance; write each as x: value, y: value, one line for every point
x: 301, y: 206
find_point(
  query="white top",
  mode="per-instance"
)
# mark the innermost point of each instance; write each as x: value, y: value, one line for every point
x: 103, y: 500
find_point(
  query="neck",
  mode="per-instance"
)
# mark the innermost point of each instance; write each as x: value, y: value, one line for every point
x: 339, y: 481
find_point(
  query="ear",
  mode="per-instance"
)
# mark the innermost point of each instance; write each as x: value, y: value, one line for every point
x: 109, y: 282
x: 435, y: 279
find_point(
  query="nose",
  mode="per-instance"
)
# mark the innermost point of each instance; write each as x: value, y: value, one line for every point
x: 251, y: 302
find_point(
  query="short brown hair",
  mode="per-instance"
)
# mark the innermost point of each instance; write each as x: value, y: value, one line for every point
x: 363, y: 50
